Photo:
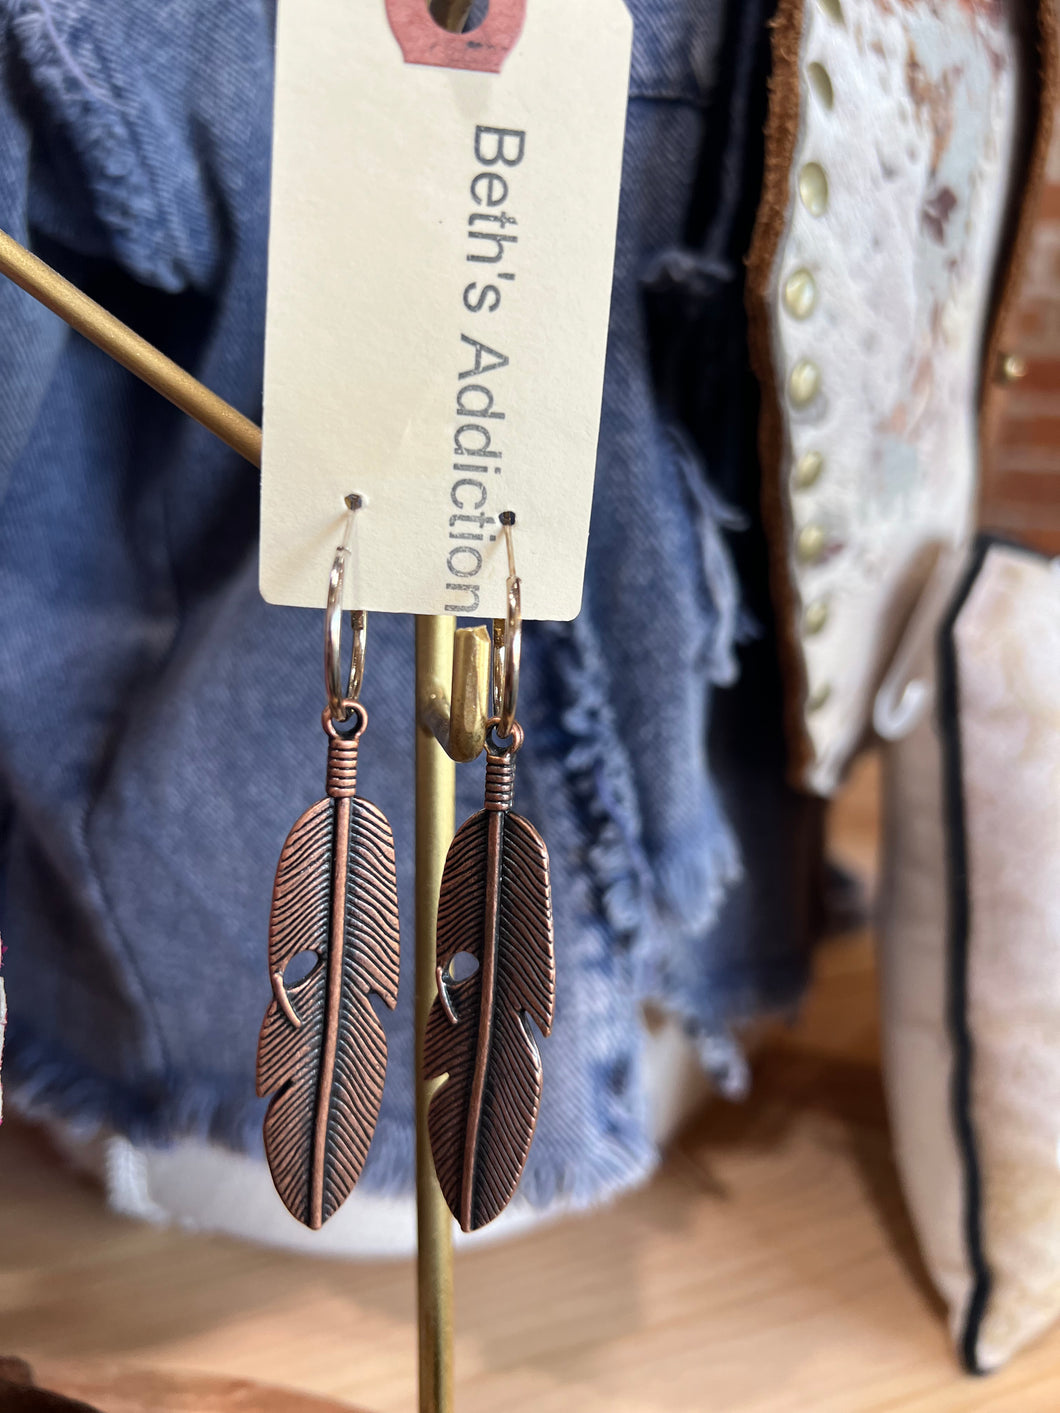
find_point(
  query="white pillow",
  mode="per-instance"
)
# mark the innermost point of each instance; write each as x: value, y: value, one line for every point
x: 970, y: 955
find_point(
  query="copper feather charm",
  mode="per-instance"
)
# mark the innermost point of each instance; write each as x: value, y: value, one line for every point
x: 322, y: 1052
x: 496, y: 906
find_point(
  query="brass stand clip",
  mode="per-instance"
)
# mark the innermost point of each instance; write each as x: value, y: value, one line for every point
x: 455, y: 712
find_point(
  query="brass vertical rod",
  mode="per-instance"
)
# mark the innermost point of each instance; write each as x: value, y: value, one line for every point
x: 435, y: 822
x: 129, y: 349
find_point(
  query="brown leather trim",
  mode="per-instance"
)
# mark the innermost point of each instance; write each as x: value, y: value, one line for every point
x: 781, y: 133
x: 1042, y: 77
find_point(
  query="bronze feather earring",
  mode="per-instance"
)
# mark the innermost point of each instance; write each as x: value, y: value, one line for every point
x: 495, y: 907
x: 322, y: 1053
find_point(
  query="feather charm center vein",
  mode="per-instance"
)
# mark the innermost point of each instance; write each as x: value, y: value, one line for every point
x: 322, y: 1053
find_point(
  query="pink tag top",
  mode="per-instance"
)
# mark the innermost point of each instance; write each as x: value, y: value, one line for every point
x: 483, y: 49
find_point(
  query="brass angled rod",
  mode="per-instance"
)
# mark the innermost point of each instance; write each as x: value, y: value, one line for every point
x: 445, y: 729
x: 129, y: 349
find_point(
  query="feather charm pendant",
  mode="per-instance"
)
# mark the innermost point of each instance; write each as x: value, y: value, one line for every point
x: 495, y: 905
x: 322, y: 1053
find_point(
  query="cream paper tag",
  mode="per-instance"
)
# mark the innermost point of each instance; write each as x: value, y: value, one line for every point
x: 440, y: 267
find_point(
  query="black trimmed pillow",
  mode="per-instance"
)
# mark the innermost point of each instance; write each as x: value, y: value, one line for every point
x: 970, y: 954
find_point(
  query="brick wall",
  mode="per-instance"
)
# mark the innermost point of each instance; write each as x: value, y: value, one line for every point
x: 1021, y: 480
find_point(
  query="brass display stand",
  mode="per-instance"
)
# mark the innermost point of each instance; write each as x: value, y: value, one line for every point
x: 450, y: 724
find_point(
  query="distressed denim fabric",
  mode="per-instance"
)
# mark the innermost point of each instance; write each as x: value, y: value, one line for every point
x: 160, y: 725
x: 694, y: 297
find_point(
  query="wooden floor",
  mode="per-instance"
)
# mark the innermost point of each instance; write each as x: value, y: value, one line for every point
x: 769, y: 1268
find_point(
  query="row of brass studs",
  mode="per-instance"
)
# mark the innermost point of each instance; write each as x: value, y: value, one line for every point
x: 804, y: 381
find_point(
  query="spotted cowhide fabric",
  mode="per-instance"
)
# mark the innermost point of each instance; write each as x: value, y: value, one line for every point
x: 893, y: 140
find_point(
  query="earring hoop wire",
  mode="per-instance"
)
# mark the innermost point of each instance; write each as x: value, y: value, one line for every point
x: 508, y: 641
x: 342, y: 697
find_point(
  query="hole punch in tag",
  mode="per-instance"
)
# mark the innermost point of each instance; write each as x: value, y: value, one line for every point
x: 441, y: 251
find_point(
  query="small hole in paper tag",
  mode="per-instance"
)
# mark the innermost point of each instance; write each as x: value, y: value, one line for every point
x: 440, y: 10
x: 483, y: 45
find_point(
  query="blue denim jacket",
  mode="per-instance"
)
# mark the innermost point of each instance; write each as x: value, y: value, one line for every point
x: 160, y: 725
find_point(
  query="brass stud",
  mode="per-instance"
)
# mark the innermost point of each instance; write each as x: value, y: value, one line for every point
x: 800, y: 294
x: 817, y: 698
x: 810, y: 543
x: 821, y: 84
x: 807, y: 469
x: 813, y: 188
x: 804, y: 383
x: 1011, y: 367
x: 815, y: 617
